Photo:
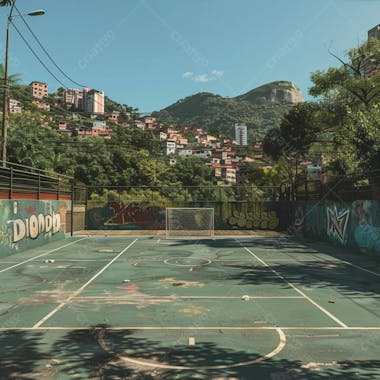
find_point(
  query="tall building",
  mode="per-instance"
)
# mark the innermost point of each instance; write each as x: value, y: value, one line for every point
x: 374, y: 32
x: 241, y: 134
x: 73, y: 98
x: 371, y: 65
x: 93, y: 101
x: 39, y: 89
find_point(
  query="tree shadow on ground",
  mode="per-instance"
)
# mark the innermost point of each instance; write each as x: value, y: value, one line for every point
x: 21, y: 355
x: 78, y: 354
x: 310, y: 264
x: 81, y: 353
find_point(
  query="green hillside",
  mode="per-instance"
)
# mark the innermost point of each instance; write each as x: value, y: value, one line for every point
x: 261, y: 109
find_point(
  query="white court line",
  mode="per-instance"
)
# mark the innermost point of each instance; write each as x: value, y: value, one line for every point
x: 191, y: 328
x: 361, y: 268
x: 297, y: 290
x: 80, y: 290
x: 174, y: 298
x: 43, y: 254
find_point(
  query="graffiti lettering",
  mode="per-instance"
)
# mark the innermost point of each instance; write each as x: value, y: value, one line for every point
x: 33, y: 226
x: 337, y: 223
x: 258, y: 217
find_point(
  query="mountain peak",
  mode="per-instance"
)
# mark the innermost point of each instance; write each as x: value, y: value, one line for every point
x: 274, y: 92
x: 260, y: 109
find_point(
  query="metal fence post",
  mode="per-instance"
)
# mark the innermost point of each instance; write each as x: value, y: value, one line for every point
x: 39, y: 186
x: 72, y: 210
x: 10, y: 195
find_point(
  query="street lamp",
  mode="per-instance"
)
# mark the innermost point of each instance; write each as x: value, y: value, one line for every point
x: 4, y: 125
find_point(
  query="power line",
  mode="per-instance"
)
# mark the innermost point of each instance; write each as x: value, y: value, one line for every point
x: 42, y: 63
x: 45, y: 51
x: 36, y: 55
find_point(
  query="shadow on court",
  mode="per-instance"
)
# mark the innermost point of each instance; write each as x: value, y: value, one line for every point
x: 78, y: 354
x: 310, y: 264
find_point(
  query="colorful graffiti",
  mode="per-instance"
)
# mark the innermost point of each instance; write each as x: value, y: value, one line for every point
x: 366, y: 234
x: 142, y: 216
x: 355, y: 225
x: 295, y: 225
x: 337, y: 224
x: 24, y: 224
x: 133, y: 216
x: 255, y: 217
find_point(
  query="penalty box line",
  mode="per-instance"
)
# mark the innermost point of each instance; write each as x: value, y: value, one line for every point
x: 338, y: 321
x: 41, y: 255
x: 80, y: 290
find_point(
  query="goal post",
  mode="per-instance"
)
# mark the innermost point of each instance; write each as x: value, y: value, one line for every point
x: 189, y: 221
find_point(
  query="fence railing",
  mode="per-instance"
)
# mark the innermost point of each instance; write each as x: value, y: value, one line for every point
x: 18, y: 181
x: 340, y: 188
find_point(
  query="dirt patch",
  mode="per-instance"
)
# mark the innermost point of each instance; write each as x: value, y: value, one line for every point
x: 195, y: 310
x: 138, y: 299
x: 57, y: 295
x: 183, y: 284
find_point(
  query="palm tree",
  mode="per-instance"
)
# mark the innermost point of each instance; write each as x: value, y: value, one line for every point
x: 13, y: 80
x: 6, y: 3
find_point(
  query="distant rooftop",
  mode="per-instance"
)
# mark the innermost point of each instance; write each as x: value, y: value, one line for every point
x: 374, y: 32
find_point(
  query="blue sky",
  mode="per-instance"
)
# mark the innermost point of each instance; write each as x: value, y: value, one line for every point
x: 150, y: 53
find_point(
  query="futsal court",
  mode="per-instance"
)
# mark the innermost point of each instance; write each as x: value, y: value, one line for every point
x: 254, y: 307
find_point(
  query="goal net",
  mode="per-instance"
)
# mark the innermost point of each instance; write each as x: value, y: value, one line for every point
x: 190, y: 222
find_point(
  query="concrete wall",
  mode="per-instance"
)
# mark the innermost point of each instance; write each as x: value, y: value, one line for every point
x: 355, y: 225
x: 143, y: 216
x: 26, y: 224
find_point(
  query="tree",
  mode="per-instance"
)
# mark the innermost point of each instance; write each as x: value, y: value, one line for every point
x: 352, y: 82
x: 6, y: 3
x: 365, y: 130
x: 274, y: 144
x: 13, y: 79
x: 299, y: 128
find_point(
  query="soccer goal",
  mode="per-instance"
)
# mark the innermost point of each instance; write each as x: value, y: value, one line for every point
x: 184, y: 222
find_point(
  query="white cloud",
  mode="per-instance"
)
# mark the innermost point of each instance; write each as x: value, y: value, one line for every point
x: 188, y: 74
x: 217, y: 73
x: 203, y: 78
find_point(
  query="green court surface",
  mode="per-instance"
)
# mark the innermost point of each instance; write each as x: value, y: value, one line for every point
x: 256, y: 307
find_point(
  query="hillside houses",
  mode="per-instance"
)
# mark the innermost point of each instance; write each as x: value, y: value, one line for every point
x: 85, y: 117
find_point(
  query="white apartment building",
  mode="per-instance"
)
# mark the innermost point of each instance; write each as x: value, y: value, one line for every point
x: 14, y: 106
x: 93, y: 101
x: 170, y: 147
x: 241, y: 134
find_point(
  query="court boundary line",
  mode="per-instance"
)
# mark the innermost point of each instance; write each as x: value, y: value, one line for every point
x: 336, y: 260
x: 321, y: 308
x: 190, y: 328
x: 174, y: 298
x: 41, y: 255
x: 84, y: 286
x: 360, y: 268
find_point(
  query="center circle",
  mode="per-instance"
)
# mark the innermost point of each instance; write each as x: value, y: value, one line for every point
x: 145, y: 361
x: 187, y: 262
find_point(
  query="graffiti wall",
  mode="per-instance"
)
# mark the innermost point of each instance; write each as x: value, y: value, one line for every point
x: 26, y: 224
x: 120, y: 216
x: 142, y: 216
x: 354, y: 225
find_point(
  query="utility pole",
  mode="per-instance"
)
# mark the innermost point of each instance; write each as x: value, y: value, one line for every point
x: 4, y: 125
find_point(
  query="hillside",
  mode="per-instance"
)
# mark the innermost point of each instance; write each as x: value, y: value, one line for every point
x: 261, y: 109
